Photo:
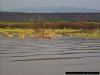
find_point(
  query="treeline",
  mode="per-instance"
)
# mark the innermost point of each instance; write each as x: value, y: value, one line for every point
x: 38, y: 17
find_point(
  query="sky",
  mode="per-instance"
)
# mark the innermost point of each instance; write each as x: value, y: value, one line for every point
x: 16, y: 4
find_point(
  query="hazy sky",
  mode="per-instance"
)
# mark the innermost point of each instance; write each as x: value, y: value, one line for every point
x: 15, y: 4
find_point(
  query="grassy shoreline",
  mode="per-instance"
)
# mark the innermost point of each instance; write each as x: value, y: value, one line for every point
x: 50, y: 29
x: 47, y: 33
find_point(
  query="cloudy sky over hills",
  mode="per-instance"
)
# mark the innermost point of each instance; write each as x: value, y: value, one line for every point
x: 17, y: 4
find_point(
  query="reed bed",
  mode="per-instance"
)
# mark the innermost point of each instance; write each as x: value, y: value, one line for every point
x: 51, y: 25
x: 42, y: 33
x: 49, y: 29
x: 47, y: 33
x: 15, y: 25
x: 16, y: 32
x: 79, y: 33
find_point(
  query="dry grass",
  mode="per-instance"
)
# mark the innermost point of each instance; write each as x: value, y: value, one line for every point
x: 50, y: 29
x: 51, y: 25
x: 48, y: 33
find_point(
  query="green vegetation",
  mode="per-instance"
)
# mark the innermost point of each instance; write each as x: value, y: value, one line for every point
x: 50, y: 29
x: 46, y: 33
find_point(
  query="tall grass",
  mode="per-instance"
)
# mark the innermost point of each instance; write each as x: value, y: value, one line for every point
x: 50, y: 29
x: 51, y: 25
x: 48, y: 33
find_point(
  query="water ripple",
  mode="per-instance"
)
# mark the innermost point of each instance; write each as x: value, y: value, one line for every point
x: 23, y: 49
x: 53, y: 58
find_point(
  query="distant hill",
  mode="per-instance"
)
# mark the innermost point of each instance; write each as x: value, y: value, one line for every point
x: 55, y: 10
x: 19, y: 16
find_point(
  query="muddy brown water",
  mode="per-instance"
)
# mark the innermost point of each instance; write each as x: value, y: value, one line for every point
x: 37, y: 56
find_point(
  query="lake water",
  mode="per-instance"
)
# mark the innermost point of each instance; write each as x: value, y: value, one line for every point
x: 37, y: 56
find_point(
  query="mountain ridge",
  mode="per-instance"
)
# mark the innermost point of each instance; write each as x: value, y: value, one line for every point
x: 55, y: 10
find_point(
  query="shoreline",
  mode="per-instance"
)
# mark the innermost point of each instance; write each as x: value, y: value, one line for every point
x: 50, y: 29
x: 48, y: 33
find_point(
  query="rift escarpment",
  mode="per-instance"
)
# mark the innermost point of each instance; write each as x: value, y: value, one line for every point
x: 17, y: 16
